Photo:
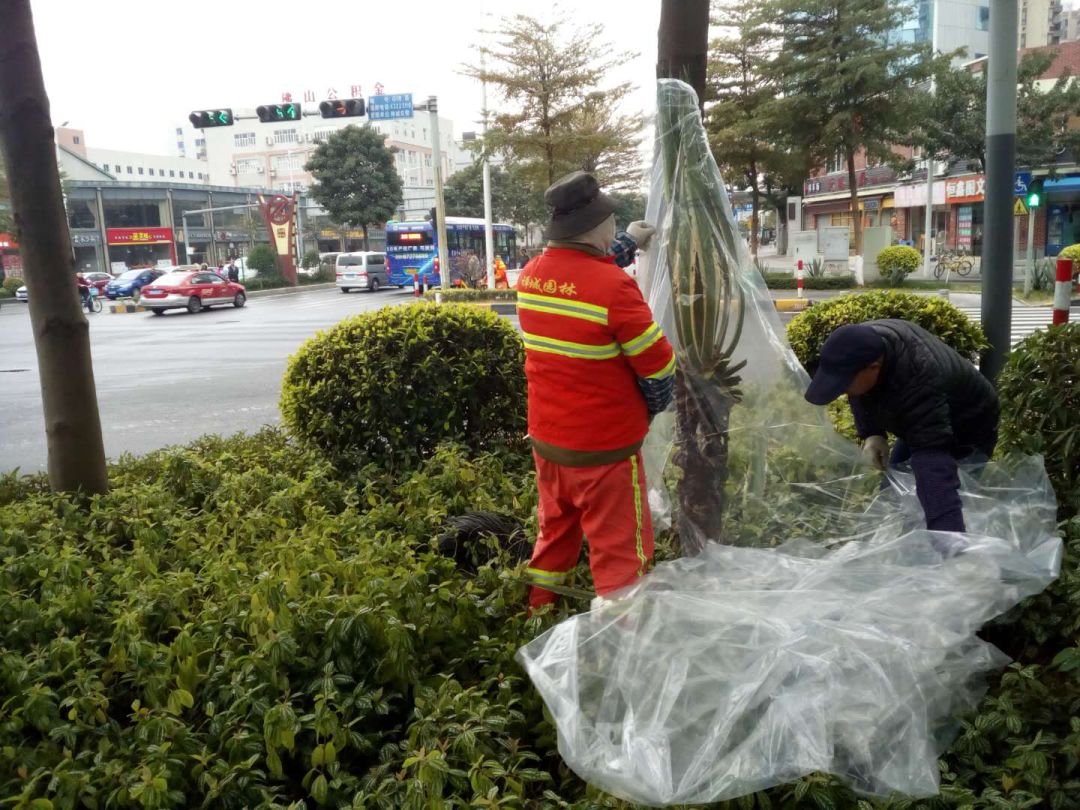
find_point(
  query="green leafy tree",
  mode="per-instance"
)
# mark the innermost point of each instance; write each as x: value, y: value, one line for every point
x: 955, y: 120
x: 464, y: 192
x: 740, y: 116
x: 631, y: 207
x: 846, y: 85
x: 5, y: 202
x: 355, y: 179
x: 558, y: 115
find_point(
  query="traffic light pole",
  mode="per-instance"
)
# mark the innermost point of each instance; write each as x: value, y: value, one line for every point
x: 997, y: 265
x: 1029, y: 265
x: 440, y: 205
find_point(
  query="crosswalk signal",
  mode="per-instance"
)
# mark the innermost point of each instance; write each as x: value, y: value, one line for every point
x: 1033, y: 199
x: 342, y: 108
x: 205, y: 119
x: 270, y: 113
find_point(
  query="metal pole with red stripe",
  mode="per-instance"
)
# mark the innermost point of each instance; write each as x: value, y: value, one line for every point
x: 1062, y: 291
x: 799, y: 278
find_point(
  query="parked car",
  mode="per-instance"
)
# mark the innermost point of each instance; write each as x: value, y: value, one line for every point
x: 129, y: 284
x: 365, y: 270
x: 22, y: 295
x: 97, y: 279
x: 193, y: 291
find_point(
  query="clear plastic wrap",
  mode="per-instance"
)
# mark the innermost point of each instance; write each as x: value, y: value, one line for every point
x: 815, y: 624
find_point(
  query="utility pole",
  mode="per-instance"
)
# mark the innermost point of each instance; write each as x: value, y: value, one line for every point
x: 489, y: 238
x: 76, y: 451
x: 929, y: 229
x: 440, y: 205
x: 997, y: 264
x: 683, y: 43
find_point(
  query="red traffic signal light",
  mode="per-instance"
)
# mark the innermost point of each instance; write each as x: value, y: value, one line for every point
x: 342, y: 108
x: 204, y: 119
x: 269, y: 113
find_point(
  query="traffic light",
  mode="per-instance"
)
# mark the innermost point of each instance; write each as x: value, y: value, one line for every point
x: 204, y: 119
x: 1034, y: 196
x: 270, y: 113
x: 342, y: 108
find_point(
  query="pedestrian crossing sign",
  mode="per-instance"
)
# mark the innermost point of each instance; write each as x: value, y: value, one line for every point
x: 1019, y: 209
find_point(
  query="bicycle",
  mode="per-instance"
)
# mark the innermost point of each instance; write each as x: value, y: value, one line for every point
x: 953, y: 261
x: 92, y: 300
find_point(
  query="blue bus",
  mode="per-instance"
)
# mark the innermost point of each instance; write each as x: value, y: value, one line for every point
x: 411, y: 248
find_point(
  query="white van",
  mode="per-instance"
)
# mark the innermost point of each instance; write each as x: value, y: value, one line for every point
x: 365, y: 270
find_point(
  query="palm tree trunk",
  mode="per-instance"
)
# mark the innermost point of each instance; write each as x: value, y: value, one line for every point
x: 61, y: 332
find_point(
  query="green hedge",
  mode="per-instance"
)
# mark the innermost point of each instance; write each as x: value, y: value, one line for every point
x: 469, y: 295
x: 388, y: 386
x: 809, y: 329
x: 784, y: 281
x: 11, y: 284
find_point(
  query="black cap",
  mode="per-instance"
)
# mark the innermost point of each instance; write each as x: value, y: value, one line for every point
x: 846, y: 352
x: 575, y: 205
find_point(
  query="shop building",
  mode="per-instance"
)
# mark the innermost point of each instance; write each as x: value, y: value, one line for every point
x: 827, y: 198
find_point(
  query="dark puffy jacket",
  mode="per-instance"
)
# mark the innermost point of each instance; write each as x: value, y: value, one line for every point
x: 928, y: 395
x: 939, y: 405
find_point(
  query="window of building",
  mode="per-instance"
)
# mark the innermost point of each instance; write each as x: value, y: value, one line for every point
x: 151, y: 172
x: 285, y: 136
x: 200, y: 141
x: 191, y: 175
x: 244, y: 139
x: 140, y: 170
x: 129, y: 170
x: 119, y: 214
x: 75, y: 139
x: 982, y: 18
x: 172, y: 173
x: 837, y: 163
x: 248, y: 165
x: 285, y: 163
x: 179, y: 131
x: 81, y: 214
x: 117, y: 169
x: 200, y: 176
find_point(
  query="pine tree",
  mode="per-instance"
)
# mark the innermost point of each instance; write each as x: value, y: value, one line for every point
x: 847, y: 85
x: 558, y: 116
x: 355, y: 179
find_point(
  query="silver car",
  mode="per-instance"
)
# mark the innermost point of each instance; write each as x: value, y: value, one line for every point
x: 22, y: 295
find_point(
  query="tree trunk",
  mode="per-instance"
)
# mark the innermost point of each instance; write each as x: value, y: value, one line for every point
x: 701, y: 432
x: 755, y: 206
x: 856, y: 216
x: 683, y: 43
x: 365, y: 238
x: 61, y: 332
x: 781, y: 227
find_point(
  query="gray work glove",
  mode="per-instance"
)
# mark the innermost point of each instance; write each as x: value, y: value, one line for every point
x: 875, y: 452
x: 641, y: 232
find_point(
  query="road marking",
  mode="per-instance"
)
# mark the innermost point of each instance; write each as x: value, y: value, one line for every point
x: 1025, y: 320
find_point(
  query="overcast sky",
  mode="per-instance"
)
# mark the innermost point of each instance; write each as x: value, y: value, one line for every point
x: 128, y: 72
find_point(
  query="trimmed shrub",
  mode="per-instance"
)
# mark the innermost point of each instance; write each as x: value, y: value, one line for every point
x: 6, y: 293
x: 809, y: 329
x: 263, y: 258
x: 1040, y: 403
x: 310, y: 260
x: 11, y: 284
x: 463, y: 295
x: 784, y: 281
x: 1070, y: 252
x: 897, y: 262
x: 388, y: 386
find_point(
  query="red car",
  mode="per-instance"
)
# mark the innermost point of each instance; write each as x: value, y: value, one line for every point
x: 97, y: 279
x: 191, y: 290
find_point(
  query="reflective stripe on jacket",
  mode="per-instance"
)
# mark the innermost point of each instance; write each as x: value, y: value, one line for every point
x: 588, y: 336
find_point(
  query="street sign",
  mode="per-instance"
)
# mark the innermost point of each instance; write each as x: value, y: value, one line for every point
x: 1021, y: 183
x: 387, y: 107
x: 1019, y: 209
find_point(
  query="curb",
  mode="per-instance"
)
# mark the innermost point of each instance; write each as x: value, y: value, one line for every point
x: 276, y: 291
x: 791, y: 304
x: 122, y: 308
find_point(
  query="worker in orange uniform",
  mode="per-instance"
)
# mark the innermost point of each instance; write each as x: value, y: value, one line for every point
x: 598, y: 369
x: 501, y: 281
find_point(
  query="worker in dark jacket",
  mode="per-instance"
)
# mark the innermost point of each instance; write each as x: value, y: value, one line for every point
x: 902, y: 380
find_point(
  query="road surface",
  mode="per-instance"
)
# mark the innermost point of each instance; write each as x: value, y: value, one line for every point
x: 167, y: 379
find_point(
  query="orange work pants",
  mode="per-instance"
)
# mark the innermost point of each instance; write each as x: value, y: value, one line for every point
x: 607, y: 504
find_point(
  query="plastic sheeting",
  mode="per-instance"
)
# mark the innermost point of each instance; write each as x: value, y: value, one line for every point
x: 818, y: 626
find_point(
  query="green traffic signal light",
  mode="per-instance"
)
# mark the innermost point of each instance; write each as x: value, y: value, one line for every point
x: 1033, y: 199
x: 204, y: 119
x: 268, y: 113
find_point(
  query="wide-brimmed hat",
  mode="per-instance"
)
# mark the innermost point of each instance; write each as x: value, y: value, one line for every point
x: 575, y: 205
x: 846, y: 352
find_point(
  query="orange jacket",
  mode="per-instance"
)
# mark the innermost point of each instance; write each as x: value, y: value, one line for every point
x: 588, y: 336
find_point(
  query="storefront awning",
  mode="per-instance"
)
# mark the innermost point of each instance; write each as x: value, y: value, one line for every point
x: 1062, y: 185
